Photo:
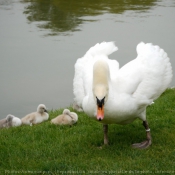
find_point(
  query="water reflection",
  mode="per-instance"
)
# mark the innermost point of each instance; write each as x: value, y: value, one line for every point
x: 6, y: 4
x: 65, y: 16
x: 36, y: 69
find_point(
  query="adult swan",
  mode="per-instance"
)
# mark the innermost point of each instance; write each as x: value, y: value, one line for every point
x: 112, y: 95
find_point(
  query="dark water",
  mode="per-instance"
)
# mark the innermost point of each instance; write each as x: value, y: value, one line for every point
x: 41, y: 40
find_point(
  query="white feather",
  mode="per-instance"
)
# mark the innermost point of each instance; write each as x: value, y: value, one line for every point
x: 83, y: 68
x: 131, y: 88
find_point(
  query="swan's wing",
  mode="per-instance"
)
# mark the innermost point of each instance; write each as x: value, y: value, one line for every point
x: 148, y: 75
x: 81, y: 78
x: 82, y: 82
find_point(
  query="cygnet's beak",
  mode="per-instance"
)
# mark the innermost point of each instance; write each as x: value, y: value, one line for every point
x: 45, y: 110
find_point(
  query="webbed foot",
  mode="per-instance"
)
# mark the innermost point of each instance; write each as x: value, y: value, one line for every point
x: 145, y: 144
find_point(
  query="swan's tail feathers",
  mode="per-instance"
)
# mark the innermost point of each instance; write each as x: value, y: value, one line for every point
x: 104, y: 48
x: 158, y: 66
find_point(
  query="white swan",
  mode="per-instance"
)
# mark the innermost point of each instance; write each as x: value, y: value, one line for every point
x: 36, y: 117
x: 113, y: 95
x: 67, y: 118
x: 10, y: 121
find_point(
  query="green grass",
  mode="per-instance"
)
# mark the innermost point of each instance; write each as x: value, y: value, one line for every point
x: 50, y: 149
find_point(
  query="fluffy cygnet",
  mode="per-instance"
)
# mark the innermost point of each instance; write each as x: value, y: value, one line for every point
x: 67, y: 118
x: 36, y: 117
x: 10, y: 121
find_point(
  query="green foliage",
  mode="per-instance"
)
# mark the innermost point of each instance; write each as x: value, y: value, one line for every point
x: 50, y: 149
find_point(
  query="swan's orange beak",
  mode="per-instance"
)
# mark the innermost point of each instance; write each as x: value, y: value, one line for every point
x: 100, y: 113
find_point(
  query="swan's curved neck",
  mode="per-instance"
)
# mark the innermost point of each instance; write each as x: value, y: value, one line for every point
x: 101, y: 77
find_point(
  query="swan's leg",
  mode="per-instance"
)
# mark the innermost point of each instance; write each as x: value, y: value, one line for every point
x: 76, y: 107
x: 105, y: 129
x: 147, y: 142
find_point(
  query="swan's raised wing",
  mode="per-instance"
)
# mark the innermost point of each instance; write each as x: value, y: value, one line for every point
x: 82, y: 83
x: 148, y: 75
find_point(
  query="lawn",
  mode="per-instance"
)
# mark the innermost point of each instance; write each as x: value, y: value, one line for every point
x: 50, y: 149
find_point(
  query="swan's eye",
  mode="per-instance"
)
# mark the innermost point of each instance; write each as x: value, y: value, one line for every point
x: 101, y: 102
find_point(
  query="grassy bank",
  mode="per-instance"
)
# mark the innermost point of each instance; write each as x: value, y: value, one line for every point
x: 50, y: 149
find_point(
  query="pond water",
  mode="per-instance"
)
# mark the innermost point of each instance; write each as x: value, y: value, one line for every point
x: 41, y: 41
